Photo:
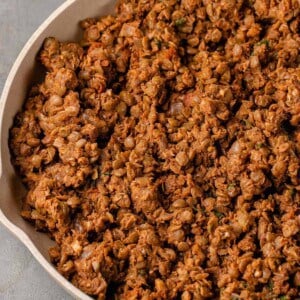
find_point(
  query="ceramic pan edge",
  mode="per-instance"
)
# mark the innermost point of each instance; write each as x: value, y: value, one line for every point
x: 24, y: 238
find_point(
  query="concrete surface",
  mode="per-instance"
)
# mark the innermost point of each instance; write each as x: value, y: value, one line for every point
x: 21, y: 277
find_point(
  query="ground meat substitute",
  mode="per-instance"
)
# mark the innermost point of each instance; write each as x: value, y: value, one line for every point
x: 162, y: 152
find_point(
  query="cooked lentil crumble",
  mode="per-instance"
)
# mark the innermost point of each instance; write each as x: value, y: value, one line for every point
x: 162, y: 152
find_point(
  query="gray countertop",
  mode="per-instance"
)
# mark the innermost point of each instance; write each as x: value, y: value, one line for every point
x: 21, y: 277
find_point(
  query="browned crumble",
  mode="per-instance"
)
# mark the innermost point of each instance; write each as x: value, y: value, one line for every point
x: 162, y: 152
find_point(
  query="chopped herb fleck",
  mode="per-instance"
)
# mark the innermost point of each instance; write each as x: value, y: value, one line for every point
x: 259, y: 146
x: 292, y: 192
x: 163, y: 187
x: 218, y: 214
x: 231, y: 186
x: 283, y: 297
x: 270, y: 285
x: 107, y: 174
x: 180, y: 22
x: 263, y: 42
x: 195, y: 208
x: 158, y: 43
x: 247, y: 123
x: 142, y: 272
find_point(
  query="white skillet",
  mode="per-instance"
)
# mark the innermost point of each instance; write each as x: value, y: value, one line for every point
x: 63, y: 24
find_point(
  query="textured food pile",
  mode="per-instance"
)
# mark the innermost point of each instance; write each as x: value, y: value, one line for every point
x: 162, y: 152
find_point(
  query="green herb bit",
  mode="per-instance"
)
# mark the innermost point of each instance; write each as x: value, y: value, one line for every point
x: 283, y: 298
x: 142, y: 272
x: 218, y: 214
x: 163, y: 187
x: 158, y: 43
x: 107, y: 174
x: 231, y: 186
x: 259, y: 146
x: 270, y: 285
x: 247, y: 123
x: 180, y: 22
x: 293, y: 192
x: 263, y: 42
x: 195, y: 208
